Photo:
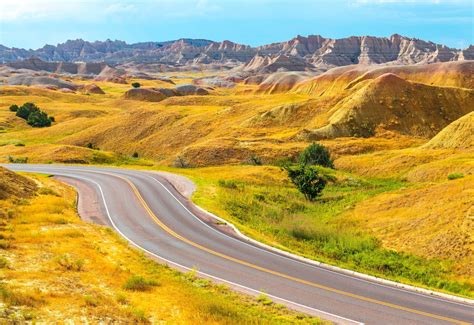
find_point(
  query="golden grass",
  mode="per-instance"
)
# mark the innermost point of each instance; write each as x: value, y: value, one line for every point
x: 56, y: 267
x: 433, y: 220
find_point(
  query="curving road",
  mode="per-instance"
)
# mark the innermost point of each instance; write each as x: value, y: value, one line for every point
x: 146, y: 209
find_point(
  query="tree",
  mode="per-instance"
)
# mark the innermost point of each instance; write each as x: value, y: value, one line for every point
x: 136, y: 85
x: 39, y: 119
x: 316, y: 154
x: 26, y: 109
x: 13, y: 108
x: 307, y: 180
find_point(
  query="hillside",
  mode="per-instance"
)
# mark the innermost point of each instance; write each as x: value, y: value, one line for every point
x: 211, y: 124
x: 457, y: 135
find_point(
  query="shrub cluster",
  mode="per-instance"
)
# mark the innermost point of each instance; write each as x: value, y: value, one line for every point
x: 33, y: 115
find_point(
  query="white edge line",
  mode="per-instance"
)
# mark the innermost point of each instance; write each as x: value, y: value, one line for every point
x: 326, y: 267
x: 203, y: 273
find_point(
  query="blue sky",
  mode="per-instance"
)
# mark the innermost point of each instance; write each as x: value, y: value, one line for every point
x: 33, y: 23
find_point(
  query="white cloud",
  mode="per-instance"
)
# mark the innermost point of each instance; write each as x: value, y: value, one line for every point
x: 86, y: 10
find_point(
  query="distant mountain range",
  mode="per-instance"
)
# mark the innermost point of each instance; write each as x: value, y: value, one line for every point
x: 299, y: 53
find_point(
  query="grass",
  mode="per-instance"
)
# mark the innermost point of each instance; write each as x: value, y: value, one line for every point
x: 268, y: 208
x: 51, y: 273
x: 455, y: 176
x: 138, y: 283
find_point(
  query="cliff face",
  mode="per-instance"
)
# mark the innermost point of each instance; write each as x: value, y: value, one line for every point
x: 314, y: 50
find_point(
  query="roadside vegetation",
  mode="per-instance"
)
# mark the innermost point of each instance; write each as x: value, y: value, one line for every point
x: 54, y: 266
x: 264, y: 204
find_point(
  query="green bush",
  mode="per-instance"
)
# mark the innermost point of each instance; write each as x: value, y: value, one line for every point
x: 136, y: 85
x: 255, y: 160
x: 26, y: 109
x: 316, y: 154
x: 307, y: 180
x: 227, y: 183
x: 38, y: 119
x: 32, y: 114
x: 135, y: 155
x: 455, y: 176
x: 139, y: 283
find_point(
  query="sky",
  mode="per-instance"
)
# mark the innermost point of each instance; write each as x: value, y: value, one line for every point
x: 34, y: 23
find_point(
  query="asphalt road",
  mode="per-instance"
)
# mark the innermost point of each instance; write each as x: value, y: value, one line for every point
x: 146, y: 209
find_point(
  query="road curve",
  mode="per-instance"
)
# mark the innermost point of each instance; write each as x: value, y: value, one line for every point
x: 147, y: 210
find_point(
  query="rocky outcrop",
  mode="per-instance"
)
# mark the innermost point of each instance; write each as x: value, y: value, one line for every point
x: 314, y: 50
x: 40, y: 81
x: 159, y: 94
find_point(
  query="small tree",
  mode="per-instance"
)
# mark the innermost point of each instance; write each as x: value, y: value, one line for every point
x: 136, y: 85
x: 13, y: 108
x: 316, y: 154
x: 26, y: 109
x: 135, y: 155
x: 39, y: 119
x: 307, y: 180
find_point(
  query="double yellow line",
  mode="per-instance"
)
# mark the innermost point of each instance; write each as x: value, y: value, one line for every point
x: 282, y: 275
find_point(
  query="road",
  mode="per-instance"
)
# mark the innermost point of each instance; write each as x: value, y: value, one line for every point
x: 147, y: 210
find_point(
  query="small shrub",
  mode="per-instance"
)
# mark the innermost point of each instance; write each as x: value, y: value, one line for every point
x: 135, y: 155
x: 316, y: 154
x: 19, y: 160
x: 138, y: 315
x: 136, y: 85
x: 38, y: 119
x: 67, y: 263
x: 122, y: 299
x: 455, y: 176
x: 26, y: 109
x: 231, y: 184
x: 180, y: 162
x: 264, y: 300
x: 47, y: 191
x: 91, y: 301
x: 255, y: 160
x: 13, y: 108
x: 5, y: 244
x: 307, y: 180
x: 3, y: 262
x: 52, y: 119
x: 139, y: 283
x: 19, y: 144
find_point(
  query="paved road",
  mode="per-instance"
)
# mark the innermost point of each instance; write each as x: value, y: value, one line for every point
x: 149, y: 212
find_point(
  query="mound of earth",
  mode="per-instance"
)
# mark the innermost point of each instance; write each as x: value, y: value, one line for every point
x: 255, y: 80
x: 338, y: 80
x: 217, y: 81
x: 12, y: 184
x: 281, y: 82
x: 112, y: 75
x: 29, y: 80
x: 392, y: 103
x: 270, y: 64
x: 92, y: 89
x: 188, y: 89
x: 457, y: 135
x: 149, y: 94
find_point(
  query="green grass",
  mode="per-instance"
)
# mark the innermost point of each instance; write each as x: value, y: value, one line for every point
x: 454, y: 176
x: 279, y: 215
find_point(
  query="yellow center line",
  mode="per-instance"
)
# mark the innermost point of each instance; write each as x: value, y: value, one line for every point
x: 282, y: 275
